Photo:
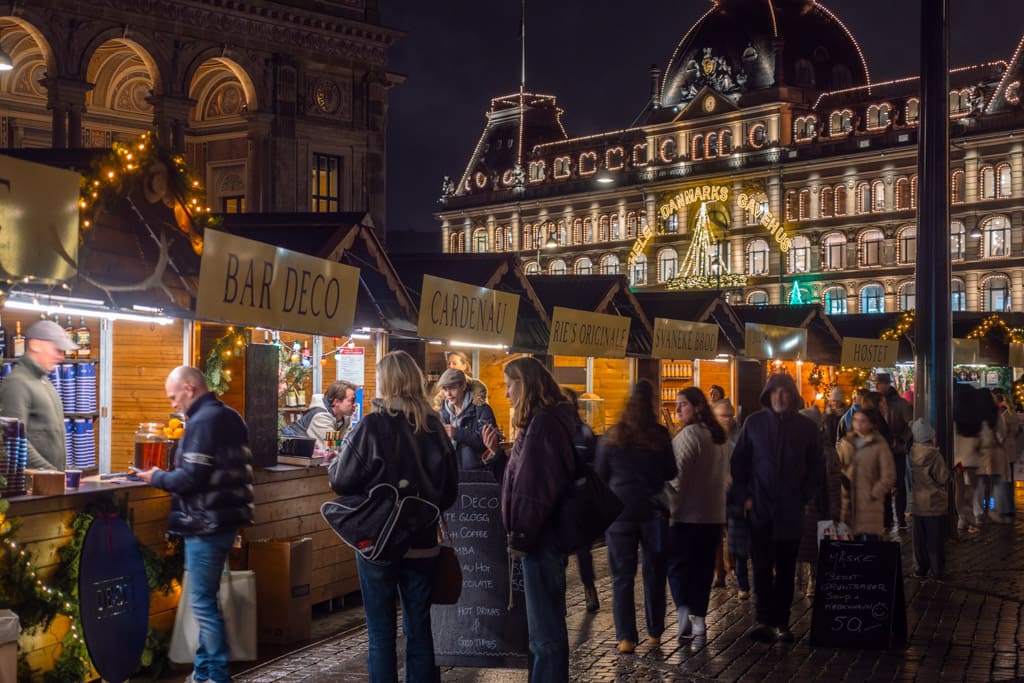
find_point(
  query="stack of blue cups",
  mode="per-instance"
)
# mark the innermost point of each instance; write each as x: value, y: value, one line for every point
x: 68, y: 394
x: 85, y: 389
x: 5, y: 370
x: 84, y: 441
x: 69, y: 442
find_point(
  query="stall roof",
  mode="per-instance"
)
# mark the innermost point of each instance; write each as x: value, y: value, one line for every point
x: 871, y: 326
x: 699, y: 307
x: 995, y: 346
x: 824, y: 345
x: 349, y: 238
x: 503, y: 273
x: 608, y: 294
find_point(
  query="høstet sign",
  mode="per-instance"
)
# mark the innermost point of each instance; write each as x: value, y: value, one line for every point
x: 860, y: 352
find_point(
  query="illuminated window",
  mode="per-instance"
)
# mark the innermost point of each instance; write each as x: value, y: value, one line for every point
x: 457, y: 242
x: 840, y: 200
x: 757, y: 135
x: 615, y: 226
x: 863, y: 198
x: 480, y: 240
x: 996, y: 294
x: 878, y: 195
x: 833, y: 252
x: 988, y: 182
x: 1004, y: 181
x: 957, y: 183
x: 804, y: 205
x: 583, y: 266
x: 638, y: 276
x: 232, y: 204
x: 872, y: 299
x: 908, y: 244
x: 958, y: 293
x: 326, y: 183
x: 672, y: 223
x: 537, y: 169
x: 609, y: 264
x: 725, y: 143
x: 996, y: 232
x: 602, y: 228
x: 532, y: 268
x: 588, y: 231
x: 903, y: 194
x: 907, y: 296
x: 840, y: 122
x: 758, y: 298
x: 957, y: 241
x: 790, y: 208
x: 827, y: 202
x: 563, y: 167
x: 557, y: 267
x: 697, y: 147
x: 499, y: 239
x: 757, y: 257
x: 913, y: 110
x: 878, y: 116
x: 835, y: 300
x: 631, y: 225
x: 577, y: 231
x: 800, y: 255
x: 668, y: 264
x: 871, y: 248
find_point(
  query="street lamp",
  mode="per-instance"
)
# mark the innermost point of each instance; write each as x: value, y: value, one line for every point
x: 550, y: 243
x: 716, y: 266
x: 604, y: 177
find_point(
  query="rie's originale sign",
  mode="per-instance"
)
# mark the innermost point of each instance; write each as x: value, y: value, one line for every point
x: 453, y: 310
x: 860, y: 352
x: 251, y: 283
x: 775, y: 342
x: 582, y: 333
x: 682, y: 340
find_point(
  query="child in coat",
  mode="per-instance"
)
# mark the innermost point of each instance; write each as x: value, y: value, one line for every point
x: 929, y: 501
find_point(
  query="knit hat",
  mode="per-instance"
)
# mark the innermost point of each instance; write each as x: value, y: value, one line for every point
x: 451, y: 377
x: 921, y: 430
x: 812, y: 413
x: 836, y: 395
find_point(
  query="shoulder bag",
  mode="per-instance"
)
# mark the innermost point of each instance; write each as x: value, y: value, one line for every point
x: 587, y: 509
x: 447, y: 586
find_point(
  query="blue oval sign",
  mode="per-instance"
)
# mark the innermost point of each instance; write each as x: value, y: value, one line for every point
x: 113, y: 598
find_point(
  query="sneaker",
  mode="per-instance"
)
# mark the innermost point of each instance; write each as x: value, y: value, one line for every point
x: 743, y: 595
x: 698, y: 626
x: 593, y: 604
x: 627, y: 647
x: 763, y: 633
x: 685, y: 626
x: 784, y: 635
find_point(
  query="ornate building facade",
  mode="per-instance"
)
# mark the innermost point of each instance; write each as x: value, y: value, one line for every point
x: 768, y: 164
x: 281, y: 105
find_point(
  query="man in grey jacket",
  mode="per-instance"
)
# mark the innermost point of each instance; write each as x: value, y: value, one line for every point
x: 28, y: 395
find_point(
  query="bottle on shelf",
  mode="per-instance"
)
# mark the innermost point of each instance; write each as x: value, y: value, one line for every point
x: 84, y: 339
x: 69, y: 330
x: 19, y: 340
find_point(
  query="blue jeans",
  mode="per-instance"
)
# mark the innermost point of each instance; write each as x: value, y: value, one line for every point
x: 544, y: 580
x: 204, y: 562
x: 739, y: 563
x: 382, y: 584
x: 622, y: 539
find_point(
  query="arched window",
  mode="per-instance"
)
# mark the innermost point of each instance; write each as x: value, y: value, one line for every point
x: 527, y: 239
x: 800, y: 255
x: 562, y: 233
x: 833, y: 251
x: 725, y: 143
x: 790, y: 209
x: 638, y: 276
x: 913, y: 111
x: 913, y: 191
x: 872, y: 299
x: 531, y: 268
x: 804, y: 204
x: 480, y: 240
x: 697, y: 147
x: 615, y: 234
x: 609, y: 264
x: 602, y: 228
x: 870, y: 248
x: 958, y: 292
x: 957, y: 241
x: 906, y: 245
x: 588, y: 231
x: 863, y: 198
x: 757, y: 257
x: 987, y: 177
x: 758, y: 298
x: 907, y: 296
x: 995, y: 294
x: 577, y: 231
x: 631, y: 225
x: 958, y: 186
x: 903, y: 194
x: 878, y: 195
x: 499, y: 239
x: 557, y: 267
x: 1004, y: 184
x: 583, y: 266
x: 826, y: 205
x: 457, y: 242
x: 835, y: 300
x: 996, y: 237
x: 711, y: 145
x: 840, y: 200
x: 668, y: 264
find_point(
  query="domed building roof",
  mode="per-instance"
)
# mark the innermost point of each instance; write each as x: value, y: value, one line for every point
x: 733, y: 50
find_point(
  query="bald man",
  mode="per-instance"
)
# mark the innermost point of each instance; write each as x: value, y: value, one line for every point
x: 211, y: 487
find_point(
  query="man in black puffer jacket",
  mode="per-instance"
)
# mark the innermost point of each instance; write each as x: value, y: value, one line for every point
x: 212, y: 498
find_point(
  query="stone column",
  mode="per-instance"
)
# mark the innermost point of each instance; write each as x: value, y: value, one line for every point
x: 517, y: 229
x: 971, y: 190
x: 257, y: 168
x: 1017, y: 169
x: 170, y: 118
x: 65, y: 98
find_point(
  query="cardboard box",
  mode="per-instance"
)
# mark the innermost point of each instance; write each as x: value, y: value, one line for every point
x: 45, y: 482
x: 284, y: 569
x: 10, y: 629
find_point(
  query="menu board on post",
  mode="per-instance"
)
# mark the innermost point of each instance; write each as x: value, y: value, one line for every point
x: 251, y: 283
x: 582, y: 333
x: 966, y: 351
x: 775, y: 342
x: 262, y: 364
x: 859, y: 600
x: 869, y: 353
x: 681, y: 340
x: 480, y: 630
x: 453, y: 310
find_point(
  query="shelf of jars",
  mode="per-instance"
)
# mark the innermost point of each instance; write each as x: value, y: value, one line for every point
x: 675, y: 375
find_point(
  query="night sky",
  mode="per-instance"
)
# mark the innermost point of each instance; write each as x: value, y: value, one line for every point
x: 594, y: 55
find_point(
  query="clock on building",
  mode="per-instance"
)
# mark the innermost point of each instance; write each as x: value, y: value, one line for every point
x: 709, y: 103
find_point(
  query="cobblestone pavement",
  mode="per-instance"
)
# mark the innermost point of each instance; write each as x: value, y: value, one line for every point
x: 968, y: 627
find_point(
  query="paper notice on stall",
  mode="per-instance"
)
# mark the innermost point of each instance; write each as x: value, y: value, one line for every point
x: 683, y: 340
x: 775, y: 342
x: 455, y: 311
x: 966, y: 351
x: 583, y: 333
x: 245, y: 282
x: 350, y: 365
x: 860, y: 352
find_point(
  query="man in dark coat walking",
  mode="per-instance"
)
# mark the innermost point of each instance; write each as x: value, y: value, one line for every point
x: 777, y: 466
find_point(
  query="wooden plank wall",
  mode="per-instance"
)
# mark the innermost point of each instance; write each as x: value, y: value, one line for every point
x: 492, y: 374
x: 611, y: 382
x: 713, y: 372
x: 143, y: 355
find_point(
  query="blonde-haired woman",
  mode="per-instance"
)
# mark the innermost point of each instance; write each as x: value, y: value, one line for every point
x: 539, y: 471
x: 402, y: 443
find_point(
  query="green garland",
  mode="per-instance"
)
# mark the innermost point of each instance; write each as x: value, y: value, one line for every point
x: 218, y: 376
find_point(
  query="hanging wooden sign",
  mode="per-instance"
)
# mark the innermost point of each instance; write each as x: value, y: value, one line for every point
x: 860, y: 352
x: 582, y: 333
x: 775, y: 342
x: 684, y: 340
x: 453, y: 310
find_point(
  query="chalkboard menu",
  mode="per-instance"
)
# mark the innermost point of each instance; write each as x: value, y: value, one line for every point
x: 261, y: 380
x: 859, y: 600
x: 480, y: 630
